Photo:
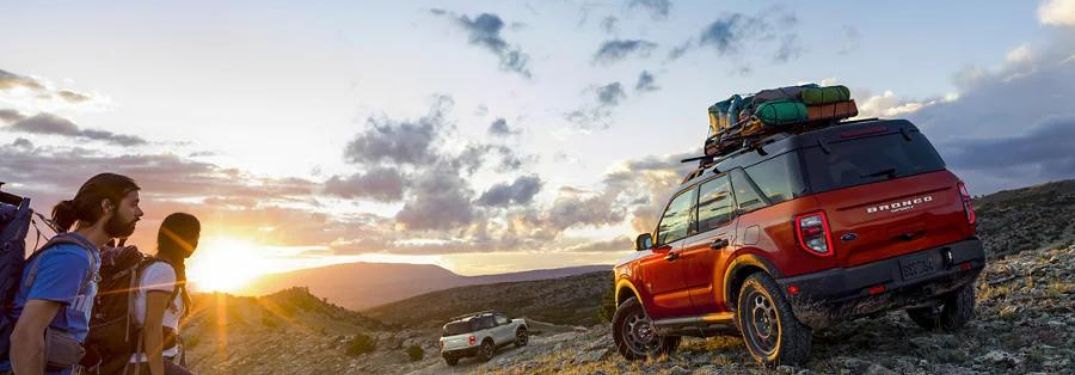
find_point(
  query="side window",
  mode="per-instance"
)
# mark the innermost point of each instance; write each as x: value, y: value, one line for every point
x: 501, y: 319
x: 778, y: 178
x: 715, y: 204
x: 745, y: 194
x: 676, y: 219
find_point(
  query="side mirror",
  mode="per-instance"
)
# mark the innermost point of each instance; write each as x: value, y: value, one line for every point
x: 644, y: 242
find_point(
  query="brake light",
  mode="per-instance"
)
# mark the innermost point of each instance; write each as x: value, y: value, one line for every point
x: 968, y: 204
x: 472, y: 340
x: 814, y: 234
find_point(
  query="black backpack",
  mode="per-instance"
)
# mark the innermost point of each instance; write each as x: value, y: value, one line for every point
x: 115, y: 334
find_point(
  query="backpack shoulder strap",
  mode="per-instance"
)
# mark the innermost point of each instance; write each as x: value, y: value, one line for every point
x: 64, y: 238
x: 150, y: 261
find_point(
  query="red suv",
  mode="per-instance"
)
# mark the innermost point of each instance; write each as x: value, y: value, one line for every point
x: 798, y: 232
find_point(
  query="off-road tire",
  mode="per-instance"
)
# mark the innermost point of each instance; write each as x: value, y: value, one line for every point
x: 486, y: 351
x: 954, y: 311
x: 451, y: 361
x: 760, y: 304
x: 632, y: 331
x: 521, y: 337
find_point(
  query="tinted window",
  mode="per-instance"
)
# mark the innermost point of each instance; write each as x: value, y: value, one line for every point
x: 715, y: 203
x: 457, y: 328
x: 745, y: 193
x: 676, y: 219
x: 501, y: 320
x: 870, y: 159
x: 778, y: 177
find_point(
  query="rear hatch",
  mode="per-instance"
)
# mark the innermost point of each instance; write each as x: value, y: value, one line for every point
x: 456, y: 335
x: 885, y: 191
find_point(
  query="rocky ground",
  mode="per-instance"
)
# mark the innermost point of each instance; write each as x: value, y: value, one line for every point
x: 1025, y: 324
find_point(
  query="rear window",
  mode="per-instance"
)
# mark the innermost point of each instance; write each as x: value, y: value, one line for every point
x: 870, y: 159
x: 457, y: 328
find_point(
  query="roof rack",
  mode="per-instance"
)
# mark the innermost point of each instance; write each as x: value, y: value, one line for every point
x: 473, y: 314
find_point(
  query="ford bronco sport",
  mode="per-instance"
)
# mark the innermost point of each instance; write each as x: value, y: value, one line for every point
x: 798, y: 232
x: 480, y: 334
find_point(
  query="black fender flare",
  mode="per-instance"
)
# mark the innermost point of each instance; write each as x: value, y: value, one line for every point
x: 737, y: 264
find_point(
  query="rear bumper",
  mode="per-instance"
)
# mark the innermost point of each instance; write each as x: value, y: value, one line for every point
x: 459, y: 353
x: 842, y: 293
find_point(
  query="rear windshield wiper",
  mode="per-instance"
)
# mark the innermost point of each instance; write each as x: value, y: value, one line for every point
x: 890, y: 173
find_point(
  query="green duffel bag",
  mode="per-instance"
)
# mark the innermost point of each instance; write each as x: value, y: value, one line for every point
x: 781, y: 112
x: 825, y: 95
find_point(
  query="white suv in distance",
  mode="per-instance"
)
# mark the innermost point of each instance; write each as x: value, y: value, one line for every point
x: 480, y: 334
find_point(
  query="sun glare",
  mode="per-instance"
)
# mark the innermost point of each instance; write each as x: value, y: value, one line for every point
x: 224, y: 265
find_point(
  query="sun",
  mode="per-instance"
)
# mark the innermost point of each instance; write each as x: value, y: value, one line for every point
x: 224, y: 265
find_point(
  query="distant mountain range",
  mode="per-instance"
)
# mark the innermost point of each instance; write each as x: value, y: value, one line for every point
x: 359, y: 286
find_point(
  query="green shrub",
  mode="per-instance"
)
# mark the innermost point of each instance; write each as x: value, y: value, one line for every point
x: 608, y: 305
x: 416, y: 353
x: 360, y: 345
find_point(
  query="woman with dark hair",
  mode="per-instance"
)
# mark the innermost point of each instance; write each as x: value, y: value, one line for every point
x: 59, y: 283
x: 162, y: 299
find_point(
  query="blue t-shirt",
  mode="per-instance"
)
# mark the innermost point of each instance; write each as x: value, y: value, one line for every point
x: 61, y: 271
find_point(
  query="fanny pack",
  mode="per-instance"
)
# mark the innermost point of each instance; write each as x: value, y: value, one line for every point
x: 62, y: 351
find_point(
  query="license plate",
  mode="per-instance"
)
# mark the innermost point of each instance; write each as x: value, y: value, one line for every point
x: 916, y: 266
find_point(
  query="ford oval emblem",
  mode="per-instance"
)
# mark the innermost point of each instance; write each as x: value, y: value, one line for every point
x: 851, y: 236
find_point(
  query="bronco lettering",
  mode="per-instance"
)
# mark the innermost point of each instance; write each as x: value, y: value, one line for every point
x: 899, y: 206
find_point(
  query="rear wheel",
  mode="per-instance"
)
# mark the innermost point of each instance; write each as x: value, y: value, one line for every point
x: 521, y: 337
x: 486, y: 351
x: 770, y: 330
x: 451, y: 360
x: 634, y: 335
x: 954, y: 311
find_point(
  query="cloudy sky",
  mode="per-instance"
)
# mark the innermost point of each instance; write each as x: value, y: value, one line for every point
x: 488, y: 136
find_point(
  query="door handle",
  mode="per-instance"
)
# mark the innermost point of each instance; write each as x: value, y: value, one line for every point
x: 672, y: 256
x: 720, y: 243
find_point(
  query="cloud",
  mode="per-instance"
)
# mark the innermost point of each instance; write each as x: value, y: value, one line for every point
x: 852, y: 40
x: 484, y: 31
x: 1023, y: 108
x: 500, y: 128
x: 10, y: 81
x: 888, y: 105
x: 618, y: 244
x: 399, y: 142
x: 440, y: 200
x: 520, y: 192
x: 646, y: 82
x: 612, y: 51
x: 380, y: 184
x: 47, y: 123
x: 657, y: 8
x: 1044, y: 152
x: 608, y: 24
x: 1057, y: 12
x: 610, y: 94
x: 731, y: 33
x: 789, y: 49
x: 10, y: 115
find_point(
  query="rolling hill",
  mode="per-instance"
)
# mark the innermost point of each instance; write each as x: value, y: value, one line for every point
x: 359, y: 286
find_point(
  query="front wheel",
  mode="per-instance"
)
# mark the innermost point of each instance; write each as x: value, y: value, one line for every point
x: 634, y: 335
x: 954, y: 311
x: 770, y: 330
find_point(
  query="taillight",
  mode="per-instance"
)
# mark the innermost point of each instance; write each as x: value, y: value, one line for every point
x: 968, y: 204
x: 472, y: 340
x: 814, y: 234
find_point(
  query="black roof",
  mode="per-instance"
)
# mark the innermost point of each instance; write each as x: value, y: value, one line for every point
x: 780, y: 143
x: 473, y: 315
